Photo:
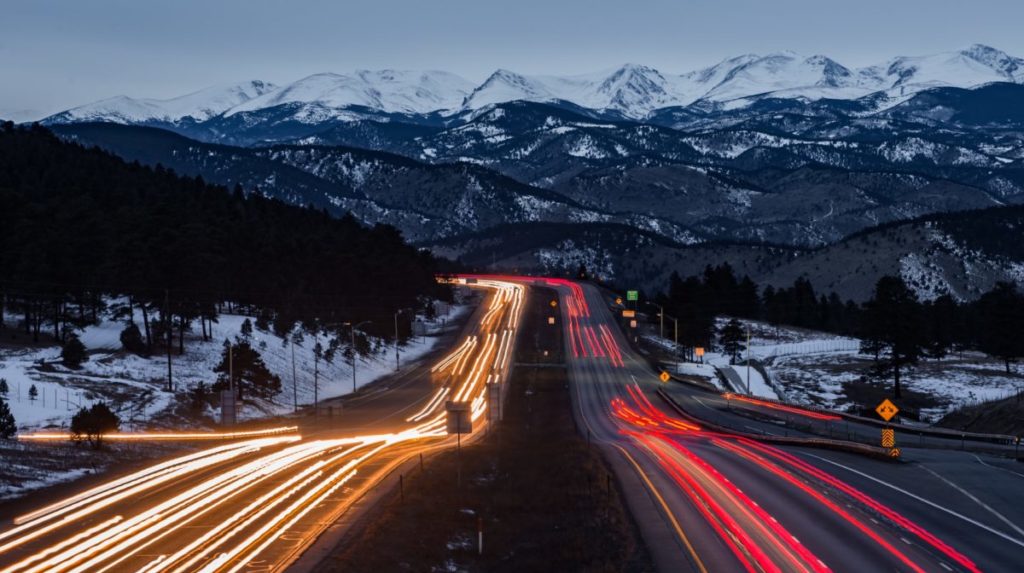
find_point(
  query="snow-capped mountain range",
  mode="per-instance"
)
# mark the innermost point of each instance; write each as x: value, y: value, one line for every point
x: 634, y: 91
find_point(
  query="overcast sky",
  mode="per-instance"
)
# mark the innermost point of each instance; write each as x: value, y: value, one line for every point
x: 56, y: 54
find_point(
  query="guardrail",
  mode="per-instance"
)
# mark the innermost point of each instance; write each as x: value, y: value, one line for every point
x: 838, y: 445
x: 1000, y: 439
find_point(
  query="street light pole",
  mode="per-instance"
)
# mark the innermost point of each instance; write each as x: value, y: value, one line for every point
x: 396, y: 339
x: 353, y: 328
x: 748, y: 359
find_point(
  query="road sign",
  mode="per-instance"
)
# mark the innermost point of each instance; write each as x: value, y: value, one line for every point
x: 664, y: 376
x: 618, y: 300
x: 627, y: 313
x: 553, y: 303
x: 886, y: 410
x: 632, y: 324
x: 888, y: 438
x: 632, y: 295
x: 894, y: 453
x: 551, y: 320
x: 699, y: 351
x: 459, y: 420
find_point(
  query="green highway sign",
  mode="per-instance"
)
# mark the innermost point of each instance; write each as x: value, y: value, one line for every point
x: 632, y: 295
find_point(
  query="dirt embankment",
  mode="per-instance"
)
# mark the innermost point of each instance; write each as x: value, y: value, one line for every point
x: 1004, y: 416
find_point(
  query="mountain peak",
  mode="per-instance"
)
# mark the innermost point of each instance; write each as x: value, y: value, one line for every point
x: 631, y: 89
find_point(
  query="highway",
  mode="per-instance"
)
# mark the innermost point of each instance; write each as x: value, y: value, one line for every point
x: 258, y: 502
x: 715, y: 501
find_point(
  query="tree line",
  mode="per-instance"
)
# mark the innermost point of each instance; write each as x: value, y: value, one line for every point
x: 896, y: 328
x: 80, y: 227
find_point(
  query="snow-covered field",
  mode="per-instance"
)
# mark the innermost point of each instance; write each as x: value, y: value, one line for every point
x: 822, y: 369
x: 137, y: 385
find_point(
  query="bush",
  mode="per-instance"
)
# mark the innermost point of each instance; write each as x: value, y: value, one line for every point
x: 7, y: 424
x: 132, y: 341
x: 73, y: 353
x: 91, y: 423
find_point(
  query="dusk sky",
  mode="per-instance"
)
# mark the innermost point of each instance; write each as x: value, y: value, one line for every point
x: 55, y: 54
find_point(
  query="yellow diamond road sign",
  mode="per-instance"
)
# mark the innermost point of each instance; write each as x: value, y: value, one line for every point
x: 664, y: 376
x: 887, y: 410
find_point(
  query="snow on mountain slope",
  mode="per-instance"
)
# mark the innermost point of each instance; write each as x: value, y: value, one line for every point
x: 200, y: 105
x: 384, y: 90
x: 631, y: 90
x: 972, y: 66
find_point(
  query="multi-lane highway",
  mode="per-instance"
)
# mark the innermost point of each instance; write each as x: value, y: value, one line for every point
x: 705, y: 497
x: 259, y: 502
x: 707, y: 500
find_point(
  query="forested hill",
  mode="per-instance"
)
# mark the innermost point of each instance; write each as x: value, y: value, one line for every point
x: 78, y: 225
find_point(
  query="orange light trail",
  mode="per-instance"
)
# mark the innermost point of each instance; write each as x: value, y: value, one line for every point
x: 272, y: 490
x: 781, y: 407
x: 163, y: 436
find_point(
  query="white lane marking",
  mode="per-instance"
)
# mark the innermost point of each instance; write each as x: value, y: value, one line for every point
x: 760, y: 431
x: 946, y: 567
x: 905, y: 540
x: 974, y: 499
x: 1013, y: 540
x: 984, y: 463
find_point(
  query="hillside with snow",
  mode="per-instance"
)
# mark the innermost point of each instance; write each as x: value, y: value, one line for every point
x: 632, y: 91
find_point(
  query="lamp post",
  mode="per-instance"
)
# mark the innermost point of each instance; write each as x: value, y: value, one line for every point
x: 397, y: 312
x: 354, y: 327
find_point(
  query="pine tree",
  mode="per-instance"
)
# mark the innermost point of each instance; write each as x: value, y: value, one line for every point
x: 4, y: 388
x: 250, y: 373
x: 8, y: 427
x: 33, y: 393
x: 92, y: 423
x: 73, y: 353
x: 732, y: 338
x: 892, y: 329
x: 246, y: 329
x: 131, y: 340
x: 1001, y: 313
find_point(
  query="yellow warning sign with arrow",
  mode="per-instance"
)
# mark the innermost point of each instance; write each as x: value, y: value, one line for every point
x: 886, y: 410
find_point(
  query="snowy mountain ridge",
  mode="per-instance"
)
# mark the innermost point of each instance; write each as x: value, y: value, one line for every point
x: 200, y: 105
x: 631, y: 90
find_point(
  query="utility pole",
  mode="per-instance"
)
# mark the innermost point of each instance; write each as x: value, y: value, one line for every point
x: 167, y: 325
x: 355, y: 354
x: 748, y: 359
x: 353, y: 347
x: 316, y: 373
x: 295, y: 382
x: 396, y: 343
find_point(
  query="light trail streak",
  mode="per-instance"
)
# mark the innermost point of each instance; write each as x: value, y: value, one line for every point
x: 104, y: 497
x: 781, y: 407
x: 160, y: 436
x: 272, y: 491
x: 431, y: 405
